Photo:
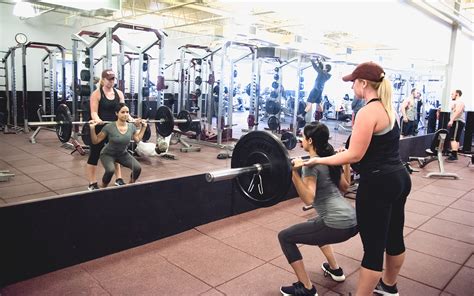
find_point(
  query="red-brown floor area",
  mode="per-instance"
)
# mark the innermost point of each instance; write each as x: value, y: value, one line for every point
x: 240, y: 255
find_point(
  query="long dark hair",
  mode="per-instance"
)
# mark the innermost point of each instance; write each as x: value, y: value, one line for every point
x: 319, y: 134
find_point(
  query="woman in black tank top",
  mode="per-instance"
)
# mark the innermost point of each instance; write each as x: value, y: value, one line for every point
x: 103, y: 102
x: 384, y: 182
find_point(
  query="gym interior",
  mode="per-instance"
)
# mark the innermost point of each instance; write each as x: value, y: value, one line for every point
x: 223, y: 88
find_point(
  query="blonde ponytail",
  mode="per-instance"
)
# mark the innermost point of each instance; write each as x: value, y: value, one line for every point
x: 384, y: 92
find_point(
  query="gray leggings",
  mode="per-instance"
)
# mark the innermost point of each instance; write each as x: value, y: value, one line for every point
x: 125, y: 159
x: 312, y: 232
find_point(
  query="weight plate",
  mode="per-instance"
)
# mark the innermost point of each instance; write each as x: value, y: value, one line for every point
x: 289, y: 140
x: 274, y: 180
x: 273, y: 123
x: 198, y: 80
x: 147, y: 134
x: 166, y: 127
x: 184, y: 126
x: 273, y: 94
x: 275, y: 85
x: 86, y: 134
x: 64, y: 130
x: 272, y: 107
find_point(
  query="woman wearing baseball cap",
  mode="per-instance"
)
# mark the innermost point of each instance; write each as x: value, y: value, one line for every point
x: 103, y: 102
x: 384, y: 181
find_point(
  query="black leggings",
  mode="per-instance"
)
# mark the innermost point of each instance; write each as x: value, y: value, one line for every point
x: 94, y: 149
x: 380, y: 207
x: 312, y: 232
x: 125, y: 159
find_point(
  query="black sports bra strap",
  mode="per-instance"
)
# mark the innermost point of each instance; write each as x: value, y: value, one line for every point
x: 374, y: 100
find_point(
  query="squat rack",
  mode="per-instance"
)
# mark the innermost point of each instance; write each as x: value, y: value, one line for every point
x: 109, y: 37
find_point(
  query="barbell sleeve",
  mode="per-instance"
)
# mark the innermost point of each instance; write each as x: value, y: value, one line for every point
x: 235, y: 172
x: 232, y: 173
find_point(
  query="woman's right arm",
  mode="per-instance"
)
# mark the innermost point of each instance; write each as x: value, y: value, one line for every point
x: 95, y: 138
x: 306, y: 187
x: 94, y: 106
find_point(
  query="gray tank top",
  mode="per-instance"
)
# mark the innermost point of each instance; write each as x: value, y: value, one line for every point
x: 411, y: 111
x: 329, y: 203
x: 117, y: 142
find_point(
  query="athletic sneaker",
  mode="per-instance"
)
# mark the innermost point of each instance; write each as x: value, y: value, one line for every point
x: 298, y: 289
x: 336, y: 274
x: 119, y: 182
x: 452, y: 158
x: 383, y: 289
x: 93, y: 186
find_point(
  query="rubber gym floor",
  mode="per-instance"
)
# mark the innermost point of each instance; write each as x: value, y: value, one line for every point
x: 240, y: 255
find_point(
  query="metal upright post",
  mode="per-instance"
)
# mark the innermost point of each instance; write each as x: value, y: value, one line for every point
x: 161, y: 71
x: 140, y: 85
x: 52, y: 84
x: 297, y: 99
x: 7, y: 95
x: 253, y: 110
x: 43, y: 83
x: 14, y: 94
x: 182, y: 83
x: 108, y: 45
x: 132, y: 87
x: 75, y: 70
x: 25, y: 89
x: 221, y: 93
x: 121, y: 68
x: 230, y: 105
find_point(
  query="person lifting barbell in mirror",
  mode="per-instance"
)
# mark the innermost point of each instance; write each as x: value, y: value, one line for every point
x: 115, y: 151
x: 103, y: 102
x: 320, y: 186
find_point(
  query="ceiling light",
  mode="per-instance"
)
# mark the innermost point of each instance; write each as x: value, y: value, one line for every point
x: 25, y: 10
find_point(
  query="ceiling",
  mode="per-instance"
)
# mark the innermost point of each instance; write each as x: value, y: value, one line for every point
x: 400, y: 32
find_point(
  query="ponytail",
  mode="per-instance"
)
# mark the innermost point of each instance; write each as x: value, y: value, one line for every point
x: 384, y: 92
x: 319, y: 134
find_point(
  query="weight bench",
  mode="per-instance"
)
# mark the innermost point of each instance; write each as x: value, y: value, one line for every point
x: 435, y: 152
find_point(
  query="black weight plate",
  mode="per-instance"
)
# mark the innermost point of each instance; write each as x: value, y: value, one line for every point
x: 289, y: 140
x: 301, y: 107
x: 198, y: 80
x: 275, y: 85
x: 85, y: 75
x: 86, y: 134
x: 273, y: 123
x: 166, y: 127
x: 64, y: 130
x: 272, y: 107
x: 273, y: 94
x: 184, y: 126
x: 147, y: 134
x: 266, y: 149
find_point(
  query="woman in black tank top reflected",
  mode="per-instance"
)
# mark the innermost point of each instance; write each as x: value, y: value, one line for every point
x: 384, y: 182
x: 103, y: 102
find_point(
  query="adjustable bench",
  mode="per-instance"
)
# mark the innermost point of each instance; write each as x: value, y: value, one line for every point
x: 435, y: 152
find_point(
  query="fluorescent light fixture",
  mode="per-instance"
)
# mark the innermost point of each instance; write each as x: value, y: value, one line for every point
x: 25, y: 10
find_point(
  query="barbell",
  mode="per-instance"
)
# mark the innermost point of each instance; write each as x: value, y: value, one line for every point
x: 164, y: 121
x: 258, y: 158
